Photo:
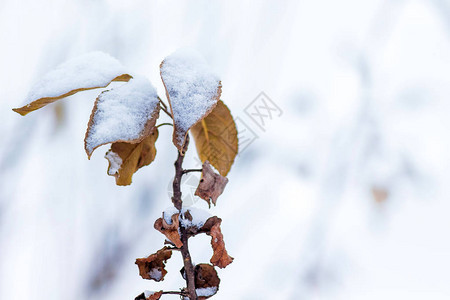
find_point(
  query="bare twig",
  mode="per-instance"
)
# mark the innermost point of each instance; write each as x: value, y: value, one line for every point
x: 181, y: 293
x: 178, y: 203
x: 191, y: 170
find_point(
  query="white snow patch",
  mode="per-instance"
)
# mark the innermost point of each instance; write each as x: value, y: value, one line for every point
x: 90, y: 70
x: 122, y: 113
x: 199, y: 216
x: 115, y: 162
x: 148, y: 293
x: 206, y: 292
x: 192, y: 88
x: 155, y: 274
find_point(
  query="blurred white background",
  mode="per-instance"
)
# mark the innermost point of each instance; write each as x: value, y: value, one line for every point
x: 346, y: 195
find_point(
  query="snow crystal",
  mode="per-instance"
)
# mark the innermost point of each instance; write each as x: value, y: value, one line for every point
x: 86, y: 71
x: 206, y: 292
x: 192, y: 88
x: 115, y: 162
x: 122, y: 113
x: 199, y: 216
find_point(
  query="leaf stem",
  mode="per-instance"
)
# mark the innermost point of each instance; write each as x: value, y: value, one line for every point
x: 164, y: 124
x: 164, y: 108
x: 191, y: 170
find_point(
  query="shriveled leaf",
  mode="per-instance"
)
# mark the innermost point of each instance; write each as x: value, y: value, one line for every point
x: 153, y: 267
x: 170, y: 230
x: 206, y: 281
x: 220, y: 256
x: 127, y: 113
x: 125, y: 158
x: 192, y: 89
x: 211, y: 184
x: 216, y: 138
x: 86, y: 72
x: 148, y: 295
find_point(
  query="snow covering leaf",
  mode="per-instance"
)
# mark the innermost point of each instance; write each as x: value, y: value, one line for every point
x: 192, y: 90
x: 206, y: 281
x: 89, y: 71
x: 216, y: 138
x: 153, y: 267
x: 220, y: 256
x: 211, y: 184
x: 127, y: 113
x: 170, y: 229
x: 126, y: 158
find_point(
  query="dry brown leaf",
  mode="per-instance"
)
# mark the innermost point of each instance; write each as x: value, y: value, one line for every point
x: 152, y: 296
x: 126, y: 158
x: 211, y: 184
x: 216, y: 138
x: 152, y: 267
x: 206, y: 281
x: 170, y: 230
x: 41, y: 102
x: 380, y: 194
x: 220, y: 256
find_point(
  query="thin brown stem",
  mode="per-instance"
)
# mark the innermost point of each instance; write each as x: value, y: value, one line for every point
x: 191, y: 170
x: 178, y: 203
x: 164, y: 108
x: 174, y: 293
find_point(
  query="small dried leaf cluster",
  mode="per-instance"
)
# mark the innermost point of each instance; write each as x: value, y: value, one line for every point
x: 126, y: 117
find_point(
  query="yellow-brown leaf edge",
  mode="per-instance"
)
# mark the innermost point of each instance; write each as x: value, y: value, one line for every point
x: 216, y: 138
x: 41, y: 102
x: 133, y: 156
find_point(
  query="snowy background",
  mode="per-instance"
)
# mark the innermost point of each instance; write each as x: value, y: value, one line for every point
x: 346, y: 195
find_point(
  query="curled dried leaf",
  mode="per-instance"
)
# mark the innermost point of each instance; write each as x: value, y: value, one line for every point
x: 90, y: 71
x: 147, y: 295
x: 206, y: 281
x: 126, y: 158
x: 216, y: 138
x: 171, y: 231
x: 153, y: 267
x: 192, y: 90
x: 211, y: 185
x: 220, y: 256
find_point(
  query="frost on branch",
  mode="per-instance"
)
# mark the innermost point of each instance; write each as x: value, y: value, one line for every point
x: 153, y: 267
x: 211, y: 185
x: 89, y: 71
x: 127, y: 113
x: 192, y: 90
x: 216, y: 138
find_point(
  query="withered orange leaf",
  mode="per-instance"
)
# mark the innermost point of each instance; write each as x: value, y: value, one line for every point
x: 89, y: 71
x: 170, y: 230
x: 211, y: 184
x: 126, y: 158
x: 216, y: 138
x: 147, y: 295
x: 206, y: 281
x: 192, y: 90
x: 127, y: 114
x: 152, y: 267
x: 220, y: 256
